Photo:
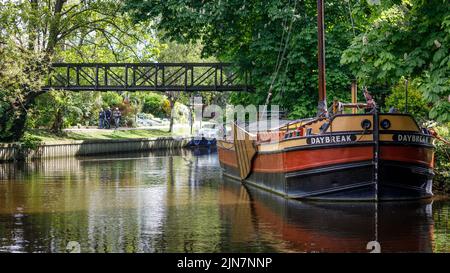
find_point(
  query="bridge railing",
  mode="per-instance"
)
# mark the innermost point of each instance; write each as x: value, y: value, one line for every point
x: 187, y: 77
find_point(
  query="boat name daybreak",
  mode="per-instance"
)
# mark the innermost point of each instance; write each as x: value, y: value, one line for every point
x: 412, y: 138
x: 331, y: 139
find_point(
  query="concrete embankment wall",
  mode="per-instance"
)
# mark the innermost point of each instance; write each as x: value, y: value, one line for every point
x: 11, y: 152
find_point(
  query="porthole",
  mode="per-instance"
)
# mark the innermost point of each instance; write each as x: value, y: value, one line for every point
x: 366, y: 124
x: 385, y: 124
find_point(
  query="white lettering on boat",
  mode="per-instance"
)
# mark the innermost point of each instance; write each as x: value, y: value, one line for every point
x: 412, y: 138
x: 331, y: 139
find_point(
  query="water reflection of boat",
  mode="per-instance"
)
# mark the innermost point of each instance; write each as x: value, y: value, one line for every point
x: 294, y: 226
x: 202, y: 142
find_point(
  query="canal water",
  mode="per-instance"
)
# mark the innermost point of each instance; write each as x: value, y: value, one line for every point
x: 178, y: 202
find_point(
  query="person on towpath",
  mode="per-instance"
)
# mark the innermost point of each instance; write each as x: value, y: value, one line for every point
x: 117, y: 115
x: 101, y: 119
x: 108, y: 115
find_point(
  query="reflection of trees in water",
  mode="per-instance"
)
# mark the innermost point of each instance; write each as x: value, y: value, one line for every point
x: 191, y: 222
x: 441, y: 234
x: 125, y: 203
x: 175, y: 202
x: 70, y: 199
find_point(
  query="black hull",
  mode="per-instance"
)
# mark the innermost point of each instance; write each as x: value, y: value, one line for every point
x: 347, y: 182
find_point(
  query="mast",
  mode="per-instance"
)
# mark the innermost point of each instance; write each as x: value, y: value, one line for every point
x: 322, y: 108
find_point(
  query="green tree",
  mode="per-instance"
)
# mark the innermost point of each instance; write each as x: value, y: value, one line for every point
x: 408, y: 38
x: 58, y: 30
x: 154, y: 104
x: 276, y: 39
x: 417, y: 105
x: 442, y: 157
x: 20, y: 77
x: 58, y: 109
x: 173, y: 51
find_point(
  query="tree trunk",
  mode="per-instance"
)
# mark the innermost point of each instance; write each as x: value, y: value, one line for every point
x: 172, y: 101
x: 32, y: 28
x: 54, y: 28
x: 57, y: 125
x: 12, y: 125
x: 13, y: 120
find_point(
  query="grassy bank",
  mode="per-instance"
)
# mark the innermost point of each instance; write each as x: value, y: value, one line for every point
x: 92, y: 134
x: 42, y: 144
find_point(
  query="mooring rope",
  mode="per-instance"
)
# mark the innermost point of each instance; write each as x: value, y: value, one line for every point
x: 438, y: 137
x: 281, y: 57
x: 443, y: 140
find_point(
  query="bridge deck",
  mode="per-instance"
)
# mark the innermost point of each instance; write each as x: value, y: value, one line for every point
x: 186, y: 77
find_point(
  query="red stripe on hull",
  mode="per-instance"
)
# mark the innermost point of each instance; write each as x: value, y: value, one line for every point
x: 307, y: 159
x: 411, y: 154
x: 301, y: 159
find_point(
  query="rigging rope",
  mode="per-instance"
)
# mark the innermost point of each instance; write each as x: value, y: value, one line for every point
x: 438, y: 137
x: 284, y: 79
x: 351, y: 17
x: 281, y: 43
x: 281, y: 57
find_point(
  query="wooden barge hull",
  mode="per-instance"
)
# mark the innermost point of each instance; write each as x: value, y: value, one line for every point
x: 358, y: 168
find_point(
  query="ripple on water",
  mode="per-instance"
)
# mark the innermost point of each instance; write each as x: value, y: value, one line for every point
x: 179, y: 202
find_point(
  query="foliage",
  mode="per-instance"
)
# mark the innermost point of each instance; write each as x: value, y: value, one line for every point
x: 442, y: 167
x: 35, y: 33
x: 111, y: 99
x: 408, y: 38
x: 277, y: 40
x: 48, y: 137
x: 60, y: 109
x: 20, y: 76
x: 188, y: 52
x: 181, y: 113
x: 172, y: 51
x: 417, y: 106
x: 30, y: 142
x: 128, y: 112
x: 156, y: 105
